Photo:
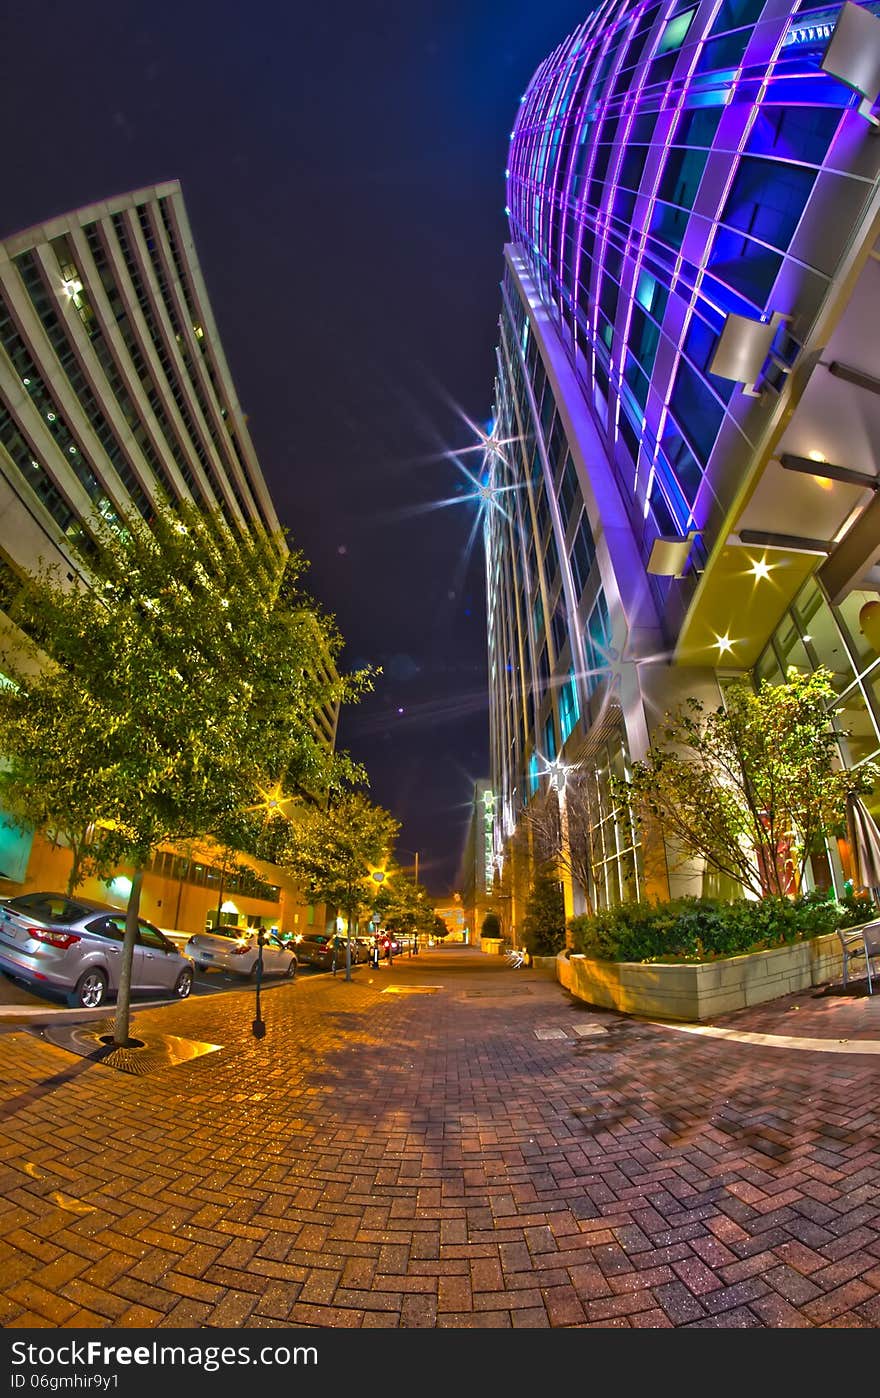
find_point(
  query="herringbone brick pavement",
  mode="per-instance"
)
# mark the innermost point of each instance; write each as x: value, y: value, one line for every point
x: 428, y: 1161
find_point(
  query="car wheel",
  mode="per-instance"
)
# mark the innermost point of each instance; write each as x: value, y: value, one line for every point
x: 90, y: 990
x: 291, y: 969
x: 183, y: 985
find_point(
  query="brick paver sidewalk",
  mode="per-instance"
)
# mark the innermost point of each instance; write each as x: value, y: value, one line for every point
x: 491, y: 1154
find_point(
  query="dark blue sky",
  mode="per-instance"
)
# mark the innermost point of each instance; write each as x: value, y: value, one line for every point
x: 343, y: 169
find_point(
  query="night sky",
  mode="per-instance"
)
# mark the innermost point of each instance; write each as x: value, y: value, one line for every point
x: 343, y: 170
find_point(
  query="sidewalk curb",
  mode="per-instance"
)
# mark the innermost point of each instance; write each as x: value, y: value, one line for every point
x: 34, y: 1017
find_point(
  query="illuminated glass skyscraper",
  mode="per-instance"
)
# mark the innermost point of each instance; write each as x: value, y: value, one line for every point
x: 683, y: 465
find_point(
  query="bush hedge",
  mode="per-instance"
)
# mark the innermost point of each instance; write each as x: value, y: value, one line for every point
x: 705, y: 929
x: 491, y: 926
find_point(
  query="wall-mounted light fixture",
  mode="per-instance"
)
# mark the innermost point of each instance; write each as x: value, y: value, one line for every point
x: 669, y: 554
x: 853, y: 55
x: 742, y: 350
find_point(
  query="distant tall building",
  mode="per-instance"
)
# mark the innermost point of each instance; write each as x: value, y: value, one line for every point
x: 687, y: 404
x: 113, y: 382
x: 477, y: 872
x: 114, y: 392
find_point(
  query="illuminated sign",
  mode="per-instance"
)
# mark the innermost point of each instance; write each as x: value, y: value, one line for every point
x: 488, y: 836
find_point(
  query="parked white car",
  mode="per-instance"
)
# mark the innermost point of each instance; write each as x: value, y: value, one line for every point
x: 235, y: 949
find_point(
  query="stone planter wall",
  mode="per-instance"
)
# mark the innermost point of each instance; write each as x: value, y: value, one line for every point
x: 701, y: 991
x: 491, y: 945
x: 544, y: 963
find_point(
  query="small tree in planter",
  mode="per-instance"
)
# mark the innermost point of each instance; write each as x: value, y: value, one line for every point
x: 491, y: 925
x: 544, y: 921
x: 577, y: 854
x: 440, y: 928
x: 749, y: 787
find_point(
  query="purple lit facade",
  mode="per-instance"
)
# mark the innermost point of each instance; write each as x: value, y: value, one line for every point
x: 688, y: 298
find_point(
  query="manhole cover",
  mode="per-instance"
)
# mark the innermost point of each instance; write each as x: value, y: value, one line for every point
x: 497, y: 994
x: 147, y: 1053
x: 550, y: 1034
x: 583, y: 1030
x: 411, y: 989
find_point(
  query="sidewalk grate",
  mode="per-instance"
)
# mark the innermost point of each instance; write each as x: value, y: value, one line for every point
x: 496, y: 994
x: 150, y: 1053
x: 411, y: 989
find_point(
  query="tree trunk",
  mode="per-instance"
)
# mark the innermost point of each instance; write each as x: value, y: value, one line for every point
x: 348, y: 946
x: 123, y: 994
x: 222, y: 888
x: 73, y: 877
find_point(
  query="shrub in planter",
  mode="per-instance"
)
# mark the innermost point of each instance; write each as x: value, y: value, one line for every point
x: 491, y: 926
x: 701, y: 929
x: 857, y: 908
x: 544, y: 920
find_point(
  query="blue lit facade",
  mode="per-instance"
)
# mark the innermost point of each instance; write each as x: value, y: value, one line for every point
x: 683, y: 179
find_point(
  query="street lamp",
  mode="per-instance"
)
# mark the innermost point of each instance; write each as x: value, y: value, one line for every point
x: 415, y: 855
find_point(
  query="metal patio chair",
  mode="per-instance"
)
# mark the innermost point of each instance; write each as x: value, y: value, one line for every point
x: 860, y: 942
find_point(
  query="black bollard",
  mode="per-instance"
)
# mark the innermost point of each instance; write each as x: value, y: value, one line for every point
x: 258, y: 1027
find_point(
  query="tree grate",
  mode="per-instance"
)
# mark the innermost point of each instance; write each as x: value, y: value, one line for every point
x: 145, y: 1053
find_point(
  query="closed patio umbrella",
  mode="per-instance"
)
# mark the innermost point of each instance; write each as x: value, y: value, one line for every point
x: 864, y: 837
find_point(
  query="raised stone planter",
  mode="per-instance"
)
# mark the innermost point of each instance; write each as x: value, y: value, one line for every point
x: 492, y: 945
x: 544, y: 963
x: 667, y: 990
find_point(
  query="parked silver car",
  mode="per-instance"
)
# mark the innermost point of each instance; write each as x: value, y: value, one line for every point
x: 74, y: 945
x: 235, y: 949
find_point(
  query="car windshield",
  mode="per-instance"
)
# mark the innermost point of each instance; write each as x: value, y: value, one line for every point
x: 47, y: 907
x: 234, y: 932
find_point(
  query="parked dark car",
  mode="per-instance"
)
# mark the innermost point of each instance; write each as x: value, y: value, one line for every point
x: 320, y: 948
x: 74, y: 945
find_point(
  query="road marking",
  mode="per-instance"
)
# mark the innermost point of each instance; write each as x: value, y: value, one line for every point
x: 64, y: 1201
x: 779, y: 1041
x: 73, y: 1206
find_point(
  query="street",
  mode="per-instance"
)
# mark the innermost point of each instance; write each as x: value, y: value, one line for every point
x: 447, y: 1142
x: 16, y: 996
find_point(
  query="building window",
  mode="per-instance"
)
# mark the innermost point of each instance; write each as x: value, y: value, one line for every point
x: 675, y: 31
x: 569, y: 708
x: 597, y: 640
x: 550, y: 739
x: 583, y: 554
x: 534, y: 774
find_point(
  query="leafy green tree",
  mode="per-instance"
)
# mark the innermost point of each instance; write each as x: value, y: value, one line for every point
x: 544, y: 920
x: 403, y: 906
x: 751, y: 787
x: 186, y: 675
x: 440, y: 928
x: 332, y: 851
